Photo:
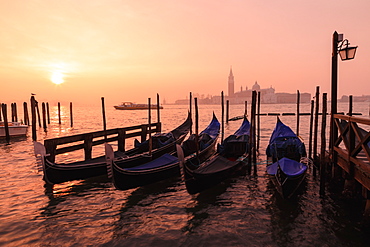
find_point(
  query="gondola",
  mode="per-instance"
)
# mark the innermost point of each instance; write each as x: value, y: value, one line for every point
x: 231, y: 156
x: 284, y: 143
x: 165, y: 166
x: 55, y: 173
x: 287, y: 175
x: 286, y: 150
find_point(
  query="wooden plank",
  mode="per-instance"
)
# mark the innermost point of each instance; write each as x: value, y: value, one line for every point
x: 360, y: 120
x: 121, y: 140
x: 361, y: 169
x: 88, y: 146
x: 80, y: 137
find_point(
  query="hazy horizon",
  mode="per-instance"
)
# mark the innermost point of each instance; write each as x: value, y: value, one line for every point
x: 130, y: 51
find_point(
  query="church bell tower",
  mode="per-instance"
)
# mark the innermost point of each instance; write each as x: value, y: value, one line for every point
x: 231, y: 84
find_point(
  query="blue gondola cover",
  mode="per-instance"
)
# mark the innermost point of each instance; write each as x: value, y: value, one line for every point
x: 290, y: 167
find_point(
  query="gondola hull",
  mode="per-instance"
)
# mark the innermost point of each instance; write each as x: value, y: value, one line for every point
x: 55, y: 173
x: 284, y: 143
x: 127, y: 178
x: 161, y: 168
x: 211, y: 173
x: 231, y: 156
x: 287, y: 176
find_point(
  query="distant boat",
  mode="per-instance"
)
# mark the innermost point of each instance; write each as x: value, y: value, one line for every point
x: 134, y: 106
x: 15, y: 129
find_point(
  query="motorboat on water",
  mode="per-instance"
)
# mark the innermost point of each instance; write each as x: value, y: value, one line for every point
x: 134, y: 106
x: 15, y: 129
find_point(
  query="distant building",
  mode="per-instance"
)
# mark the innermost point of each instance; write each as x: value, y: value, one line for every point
x: 363, y: 98
x: 268, y: 95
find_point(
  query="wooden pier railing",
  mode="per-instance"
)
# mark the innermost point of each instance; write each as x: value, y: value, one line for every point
x: 86, y: 141
x: 351, y: 148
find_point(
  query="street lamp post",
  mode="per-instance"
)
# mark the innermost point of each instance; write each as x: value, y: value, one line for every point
x: 346, y: 52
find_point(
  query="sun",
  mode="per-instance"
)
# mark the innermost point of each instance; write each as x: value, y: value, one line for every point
x: 57, y: 77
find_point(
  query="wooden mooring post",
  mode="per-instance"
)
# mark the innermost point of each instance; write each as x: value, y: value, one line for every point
x: 149, y: 128
x: 14, y: 112
x: 252, y: 159
x: 48, y: 112
x: 190, y: 111
x: 6, y: 125
x: 33, y: 118
x: 71, y: 113
x: 254, y: 128
x: 310, y: 131
x: 44, y: 116
x: 246, y: 109
x: 38, y: 113
x: 25, y: 114
x: 158, y: 112
x: 196, y: 126
x: 323, y: 145
x: 104, y: 120
x: 59, y: 118
x: 258, y: 120
x: 227, y: 110
x: 298, y: 104
x: 314, y: 151
x: 159, y: 125
x: 222, y: 116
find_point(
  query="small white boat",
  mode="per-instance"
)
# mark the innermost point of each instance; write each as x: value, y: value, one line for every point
x: 15, y: 129
x: 133, y: 106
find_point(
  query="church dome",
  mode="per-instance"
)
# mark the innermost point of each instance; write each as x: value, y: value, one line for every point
x: 256, y: 87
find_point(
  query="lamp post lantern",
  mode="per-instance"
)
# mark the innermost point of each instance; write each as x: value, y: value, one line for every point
x: 346, y: 52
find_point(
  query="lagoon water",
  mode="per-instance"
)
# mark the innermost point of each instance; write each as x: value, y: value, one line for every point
x: 242, y: 211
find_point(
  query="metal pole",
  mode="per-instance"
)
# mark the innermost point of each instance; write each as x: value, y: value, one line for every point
x: 334, y: 96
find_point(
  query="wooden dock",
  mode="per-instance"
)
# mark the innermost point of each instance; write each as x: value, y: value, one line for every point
x: 352, y: 148
x: 55, y: 147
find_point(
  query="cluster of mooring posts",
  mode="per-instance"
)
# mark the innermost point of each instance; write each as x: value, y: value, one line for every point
x: 87, y: 141
x: 347, y: 158
x: 35, y: 116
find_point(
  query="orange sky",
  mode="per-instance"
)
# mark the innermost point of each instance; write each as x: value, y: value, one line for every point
x: 130, y: 50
